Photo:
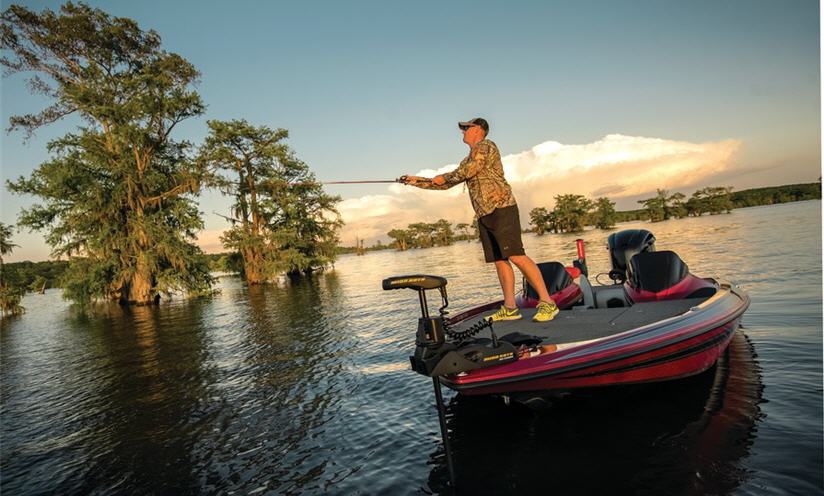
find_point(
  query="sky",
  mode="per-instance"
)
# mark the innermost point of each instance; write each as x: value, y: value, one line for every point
x: 606, y: 98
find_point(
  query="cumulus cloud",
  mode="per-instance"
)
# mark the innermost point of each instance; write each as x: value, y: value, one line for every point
x: 616, y: 166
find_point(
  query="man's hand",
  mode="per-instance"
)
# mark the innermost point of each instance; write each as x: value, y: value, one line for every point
x: 413, y: 180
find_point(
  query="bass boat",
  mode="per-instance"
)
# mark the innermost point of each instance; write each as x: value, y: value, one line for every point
x: 656, y: 322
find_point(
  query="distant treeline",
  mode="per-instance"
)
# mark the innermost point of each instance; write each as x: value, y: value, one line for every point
x: 748, y: 198
x: 573, y: 212
x: 35, y: 276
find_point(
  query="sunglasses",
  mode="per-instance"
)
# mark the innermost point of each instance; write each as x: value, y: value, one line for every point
x: 466, y: 128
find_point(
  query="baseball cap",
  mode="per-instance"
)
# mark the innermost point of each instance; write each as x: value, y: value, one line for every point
x: 477, y: 121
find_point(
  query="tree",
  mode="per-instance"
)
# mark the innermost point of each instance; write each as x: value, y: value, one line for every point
x: 10, y: 293
x: 719, y: 199
x: 422, y: 234
x: 402, y: 238
x: 476, y: 231
x: 571, y: 212
x: 604, y: 216
x: 443, y: 232
x: 663, y: 206
x: 539, y: 219
x: 463, y: 227
x: 117, y: 194
x: 697, y: 205
x: 656, y: 206
x: 38, y: 284
x: 282, y: 219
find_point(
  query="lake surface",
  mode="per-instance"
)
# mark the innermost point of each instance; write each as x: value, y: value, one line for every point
x: 305, y: 387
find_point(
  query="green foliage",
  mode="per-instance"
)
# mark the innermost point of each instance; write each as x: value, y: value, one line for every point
x: 776, y: 194
x: 118, y: 191
x: 570, y: 213
x: 401, y: 238
x: 282, y: 219
x: 539, y: 219
x: 426, y: 235
x: 604, y: 216
x: 378, y: 246
x: 85, y: 279
x: 443, y: 232
x: 38, y: 284
x: 664, y: 206
x: 6, y: 246
x: 229, y: 262
x: 464, y: 228
x: 12, y: 288
x: 713, y: 200
x: 27, y: 273
x: 10, y: 298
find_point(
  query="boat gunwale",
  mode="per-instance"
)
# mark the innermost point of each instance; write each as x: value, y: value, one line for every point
x: 579, y: 352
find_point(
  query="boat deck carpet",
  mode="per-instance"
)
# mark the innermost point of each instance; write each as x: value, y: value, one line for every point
x: 578, y: 324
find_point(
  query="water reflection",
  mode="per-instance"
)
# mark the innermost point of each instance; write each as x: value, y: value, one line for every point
x: 687, y: 436
x: 280, y: 360
x: 304, y: 387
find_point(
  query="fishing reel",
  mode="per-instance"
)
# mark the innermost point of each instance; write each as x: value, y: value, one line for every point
x: 435, y: 354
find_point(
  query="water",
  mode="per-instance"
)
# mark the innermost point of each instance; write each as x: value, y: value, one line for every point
x: 305, y: 388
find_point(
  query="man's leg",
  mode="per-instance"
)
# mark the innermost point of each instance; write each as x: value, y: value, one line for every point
x: 507, y: 278
x: 532, y: 273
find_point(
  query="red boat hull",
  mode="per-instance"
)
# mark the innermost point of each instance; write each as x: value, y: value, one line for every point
x: 660, y: 365
x: 681, y: 347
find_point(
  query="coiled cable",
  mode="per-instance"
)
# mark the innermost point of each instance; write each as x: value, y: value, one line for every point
x: 467, y: 333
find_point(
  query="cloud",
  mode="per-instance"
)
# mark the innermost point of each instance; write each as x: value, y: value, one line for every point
x: 616, y: 166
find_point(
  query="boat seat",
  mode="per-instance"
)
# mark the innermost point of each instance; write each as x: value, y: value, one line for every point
x: 656, y: 271
x: 555, y: 277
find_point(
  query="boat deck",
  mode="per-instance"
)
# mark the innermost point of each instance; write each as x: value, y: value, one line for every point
x: 581, y: 325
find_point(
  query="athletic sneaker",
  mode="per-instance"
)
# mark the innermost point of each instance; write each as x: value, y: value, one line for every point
x: 546, y: 312
x: 504, y: 313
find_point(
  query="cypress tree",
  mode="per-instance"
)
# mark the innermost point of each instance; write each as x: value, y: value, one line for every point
x: 117, y: 194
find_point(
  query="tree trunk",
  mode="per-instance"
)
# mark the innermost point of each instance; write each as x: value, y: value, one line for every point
x: 138, y: 289
x: 253, y: 266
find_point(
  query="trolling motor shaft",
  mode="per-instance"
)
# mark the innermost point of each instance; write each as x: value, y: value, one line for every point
x: 435, y: 355
x: 430, y: 336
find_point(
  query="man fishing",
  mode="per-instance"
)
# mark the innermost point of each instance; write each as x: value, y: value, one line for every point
x: 499, y: 225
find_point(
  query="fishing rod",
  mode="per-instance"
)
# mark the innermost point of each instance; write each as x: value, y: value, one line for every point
x: 357, y: 182
x: 401, y: 180
x: 310, y: 183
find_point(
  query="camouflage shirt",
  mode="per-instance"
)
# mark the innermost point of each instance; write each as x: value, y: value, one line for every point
x: 484, y: 175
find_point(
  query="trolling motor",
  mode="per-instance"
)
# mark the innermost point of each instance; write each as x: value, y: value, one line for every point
x: 441, y: 350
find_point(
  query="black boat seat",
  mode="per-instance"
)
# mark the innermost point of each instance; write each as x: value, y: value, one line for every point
x: 656, y: 271
x: 555, y: 277
x: 416, y: 282
x: 623, y: 245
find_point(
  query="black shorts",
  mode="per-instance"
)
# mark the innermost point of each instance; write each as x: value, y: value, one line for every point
x: 500, y: 234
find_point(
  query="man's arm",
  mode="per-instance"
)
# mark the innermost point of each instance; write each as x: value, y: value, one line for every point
x: 478, y: 157
x: 425, y: 182
x: 477, y: 160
